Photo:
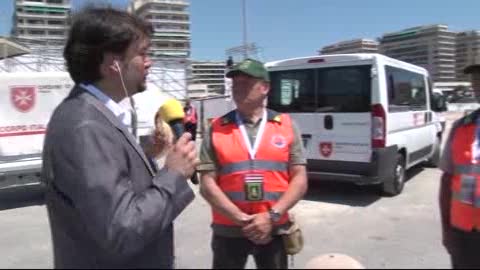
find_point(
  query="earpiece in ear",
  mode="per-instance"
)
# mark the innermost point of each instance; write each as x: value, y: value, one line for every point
x: 117, y: 65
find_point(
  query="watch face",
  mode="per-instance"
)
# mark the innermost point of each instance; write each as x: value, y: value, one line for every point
x: 275, y: 216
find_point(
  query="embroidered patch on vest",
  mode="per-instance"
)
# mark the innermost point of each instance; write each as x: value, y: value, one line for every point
x: 279, y: 141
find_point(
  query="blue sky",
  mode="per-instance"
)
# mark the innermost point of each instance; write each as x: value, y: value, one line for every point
x: 293, y: 28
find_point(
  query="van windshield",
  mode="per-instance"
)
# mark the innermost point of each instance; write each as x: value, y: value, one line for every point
x: 337, y: 89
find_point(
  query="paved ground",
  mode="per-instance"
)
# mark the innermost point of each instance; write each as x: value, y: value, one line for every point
x: 400, y: 232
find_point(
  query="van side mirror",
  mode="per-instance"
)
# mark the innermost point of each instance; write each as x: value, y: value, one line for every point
x: 438, y: 102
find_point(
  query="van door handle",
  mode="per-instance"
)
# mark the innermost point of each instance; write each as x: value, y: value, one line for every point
x: 328, y: 122
x: 428, y: 117
x: 305, y: 139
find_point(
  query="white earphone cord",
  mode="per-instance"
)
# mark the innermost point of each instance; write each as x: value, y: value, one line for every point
x: 132, y: 103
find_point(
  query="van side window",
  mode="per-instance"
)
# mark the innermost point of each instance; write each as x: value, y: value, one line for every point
x: 406, y: 90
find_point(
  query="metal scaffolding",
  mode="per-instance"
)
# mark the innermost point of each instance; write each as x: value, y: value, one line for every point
x: 168, y: 75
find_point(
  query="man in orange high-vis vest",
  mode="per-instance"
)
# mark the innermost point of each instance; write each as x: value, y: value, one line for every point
x: 191, y: 119
x: 460, y: 186
x: 253, y: 171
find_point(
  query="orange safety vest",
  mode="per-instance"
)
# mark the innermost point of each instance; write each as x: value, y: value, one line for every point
x: 271, y: 160
x: 190, y: 115
x: 465, y: 184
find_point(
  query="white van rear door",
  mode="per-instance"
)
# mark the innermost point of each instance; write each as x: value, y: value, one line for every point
x: 331, y: 106
x: 340, y: 136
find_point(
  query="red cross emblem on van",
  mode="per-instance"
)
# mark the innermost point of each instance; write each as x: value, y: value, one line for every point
x: 23, y: 98
x: 326, y: 149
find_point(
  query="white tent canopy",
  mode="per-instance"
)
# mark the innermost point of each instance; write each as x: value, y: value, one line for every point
x: 9, y: 48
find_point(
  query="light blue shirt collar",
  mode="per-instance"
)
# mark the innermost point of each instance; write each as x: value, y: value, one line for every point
x: 120, y: 112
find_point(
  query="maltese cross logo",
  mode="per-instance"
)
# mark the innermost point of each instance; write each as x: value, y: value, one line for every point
x: 326, y: 149
x: 23, y: 97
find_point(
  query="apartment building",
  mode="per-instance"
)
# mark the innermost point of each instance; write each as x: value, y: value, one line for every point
x: 467, y: 50
x: 171, y: 23
x: 207, y: 78
x: 46, y: 21
x: 431, y: 46
x: 351, y: 46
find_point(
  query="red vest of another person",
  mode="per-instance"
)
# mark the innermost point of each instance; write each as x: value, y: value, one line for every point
x: 465, y: 184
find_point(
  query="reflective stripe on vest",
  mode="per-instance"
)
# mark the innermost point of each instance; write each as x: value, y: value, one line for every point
x: 242, y: 196
x: 467, y: 169
x: 461, y: 197
x: 264, y: 165
x: 465, y: 182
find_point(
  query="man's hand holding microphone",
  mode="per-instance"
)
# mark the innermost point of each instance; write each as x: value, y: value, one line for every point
x: 182, y: 157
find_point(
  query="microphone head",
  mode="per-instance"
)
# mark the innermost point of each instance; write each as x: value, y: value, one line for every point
x: 171, y: 110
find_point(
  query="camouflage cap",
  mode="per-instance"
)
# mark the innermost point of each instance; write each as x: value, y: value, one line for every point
x: 250, y: 67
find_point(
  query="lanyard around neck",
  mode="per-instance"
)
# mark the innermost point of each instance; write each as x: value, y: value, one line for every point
x: 252, y: 150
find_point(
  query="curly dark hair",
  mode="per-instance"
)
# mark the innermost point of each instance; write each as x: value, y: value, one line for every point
x: 96, y: 31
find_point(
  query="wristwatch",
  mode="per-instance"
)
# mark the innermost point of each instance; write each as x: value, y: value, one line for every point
x: 274, y: 215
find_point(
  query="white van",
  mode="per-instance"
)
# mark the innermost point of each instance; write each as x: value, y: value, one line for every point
x: 27, y: 101
x: 364, y: 118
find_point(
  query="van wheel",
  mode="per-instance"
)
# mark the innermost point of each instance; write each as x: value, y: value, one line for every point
x: 435, y: 159
x: 395, y: 183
